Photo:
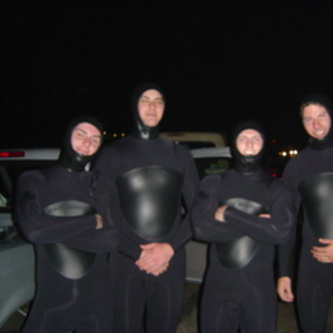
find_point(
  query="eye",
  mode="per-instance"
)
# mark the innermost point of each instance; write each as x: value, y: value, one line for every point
x: 78, y: 134
x: 96, y: 141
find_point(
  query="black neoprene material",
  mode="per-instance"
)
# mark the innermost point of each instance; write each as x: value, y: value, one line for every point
x: 69, y: 208
x: 241, y: 297
x: 239, y: 252
x: 69, y: 262
x: 55, y: 210
x: 241, y: 163
x: 137, y: 291
x: 239, y: 290
x: 140, y: 130
x: 69, y: 158
x: 317, y: 197
x: 149, y: 198
x: 315, y: 279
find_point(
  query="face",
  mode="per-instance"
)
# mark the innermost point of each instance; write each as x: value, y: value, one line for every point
x: 249, y: 142
x: 316, y: 121
x: 86, y: 139
x: 151, y: 107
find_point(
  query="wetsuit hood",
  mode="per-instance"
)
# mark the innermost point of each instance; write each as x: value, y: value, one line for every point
x: 246, y: 164
x: 324, y: 101
x: 69, y: 158
x: 141, y: 130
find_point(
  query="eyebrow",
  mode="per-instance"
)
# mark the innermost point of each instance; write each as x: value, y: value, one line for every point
x: 147, y: 97
x: 85, y: 132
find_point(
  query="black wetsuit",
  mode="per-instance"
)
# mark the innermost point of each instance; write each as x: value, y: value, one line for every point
x: 137, y: 292
x: 55, y: 210
x: 66, y: 298
x: 239, y: 289
x: 240, y: 292
x: 315, y: 279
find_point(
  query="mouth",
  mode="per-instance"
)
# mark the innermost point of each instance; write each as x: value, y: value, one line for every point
x: 82, y: 152
x: 319, y: 133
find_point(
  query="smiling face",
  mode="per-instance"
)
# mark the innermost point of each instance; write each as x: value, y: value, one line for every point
x: 86, y: 139
x: 316, y: 121
x: 151, y: 107
x: 249, y: 142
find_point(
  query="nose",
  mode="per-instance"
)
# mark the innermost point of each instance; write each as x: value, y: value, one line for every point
x: 249, y: 143
x: 152, y: 105
x: 316, y: 123
x: 86, y: 142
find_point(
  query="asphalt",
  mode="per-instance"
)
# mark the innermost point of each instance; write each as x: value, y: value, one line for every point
x: 188, y: 324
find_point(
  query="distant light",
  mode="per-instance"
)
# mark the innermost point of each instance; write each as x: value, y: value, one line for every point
x: 293, y: 153
x: 290, y: 153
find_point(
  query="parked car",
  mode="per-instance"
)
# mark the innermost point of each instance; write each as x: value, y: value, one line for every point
x: 17, y: 256
x: 194, y: 140
x: 209, y: 161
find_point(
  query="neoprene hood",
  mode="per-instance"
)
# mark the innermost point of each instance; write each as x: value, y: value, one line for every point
x: 69, y: 158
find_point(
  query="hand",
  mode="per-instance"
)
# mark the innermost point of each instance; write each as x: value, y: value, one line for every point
x: 284, y: 289
x: 219, y: 214
x: 159, y: 271
x: 266, y: 216
x: 155, y: 258
x: 323, y: 254
x: 99, y: 221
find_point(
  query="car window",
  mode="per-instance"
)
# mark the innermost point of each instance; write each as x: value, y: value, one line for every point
x: 9, y: 173
x: 212, y: 165
x: 195, y: 144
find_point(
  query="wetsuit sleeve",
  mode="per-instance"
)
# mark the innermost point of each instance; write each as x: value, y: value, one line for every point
x: 205, y: 227
x: 37, y: 227
x: 102, y: 240
x: 183, y: 233
x: 129, y: 249
x: 273, y: 230
x: 286, y: 250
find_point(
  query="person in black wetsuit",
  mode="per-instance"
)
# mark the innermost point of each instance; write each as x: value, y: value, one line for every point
x: 310, y: 176
x: 242, y: 213
x: 63, y: 211
x: 152, y: 177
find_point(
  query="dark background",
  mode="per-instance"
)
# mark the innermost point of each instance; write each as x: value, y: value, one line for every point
x: 218, y: 61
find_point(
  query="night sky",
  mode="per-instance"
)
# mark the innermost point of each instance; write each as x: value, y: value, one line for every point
x: 218, y: 62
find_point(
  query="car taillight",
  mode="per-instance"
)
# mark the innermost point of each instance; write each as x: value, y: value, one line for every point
x: 11, y: 154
